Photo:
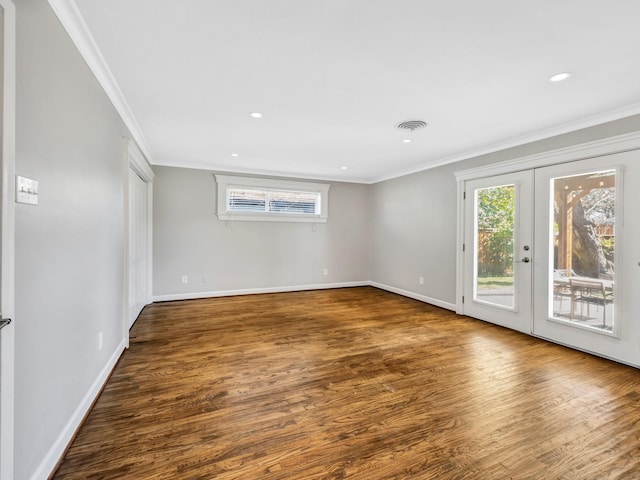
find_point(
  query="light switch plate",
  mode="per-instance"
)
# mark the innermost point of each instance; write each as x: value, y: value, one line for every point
x: 26, y: 190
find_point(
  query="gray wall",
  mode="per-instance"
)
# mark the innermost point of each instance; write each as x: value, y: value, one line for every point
x: 69, y: 248
x: 413, y: 227
x: 221, y: 256
x: 413, y: 233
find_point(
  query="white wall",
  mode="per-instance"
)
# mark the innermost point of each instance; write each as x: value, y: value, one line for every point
x: 69, y: 248
x: 220, y: 256
x: 413, y: 227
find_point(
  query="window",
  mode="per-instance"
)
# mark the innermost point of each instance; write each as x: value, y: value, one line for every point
x: 259, y: 199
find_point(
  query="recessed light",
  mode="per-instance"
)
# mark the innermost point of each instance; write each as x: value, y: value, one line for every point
x: 558, y: 77
x: 344, y: 168
x: 407, y: 140
x: 256, y: 114
x: 235, y: 155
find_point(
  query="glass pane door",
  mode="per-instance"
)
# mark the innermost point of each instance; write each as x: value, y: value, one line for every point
x: 583, y: 236
x: 494, y: 240
x: 586, y: 228
x: 498, y: 261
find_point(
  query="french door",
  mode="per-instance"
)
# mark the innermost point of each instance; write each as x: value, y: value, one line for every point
x: 553, y: 251
x: 498, y: 260
x: 587, y: 266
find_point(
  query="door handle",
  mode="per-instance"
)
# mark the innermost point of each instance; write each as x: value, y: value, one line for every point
x: 524, y: 260
x: 4, y: 322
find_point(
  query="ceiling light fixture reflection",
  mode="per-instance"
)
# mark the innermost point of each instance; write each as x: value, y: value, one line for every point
x: 235, y: 155
x: 407, y: 140
x: 256, y: 114
x: 558, y: 77
x: 343, y: 168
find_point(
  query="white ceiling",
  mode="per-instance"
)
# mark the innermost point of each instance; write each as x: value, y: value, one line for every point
x: 332, y: 78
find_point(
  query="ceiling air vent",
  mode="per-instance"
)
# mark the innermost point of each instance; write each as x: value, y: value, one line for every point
x: 411, y: 125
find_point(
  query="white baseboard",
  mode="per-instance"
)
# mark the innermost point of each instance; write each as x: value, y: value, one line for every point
x: 59, y: 447
x: 415, y: 296
x: 253, y: 291
x: 298, y: 288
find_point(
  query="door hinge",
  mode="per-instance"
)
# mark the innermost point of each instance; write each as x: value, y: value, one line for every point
x: 462, y: 298
x: 464, y: 195
x: 463, y: 247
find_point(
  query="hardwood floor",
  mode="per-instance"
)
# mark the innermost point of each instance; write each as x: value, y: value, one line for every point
x: 352, y: 383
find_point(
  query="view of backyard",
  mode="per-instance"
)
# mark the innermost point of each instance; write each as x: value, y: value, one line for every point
x: 583, y: 239
x: 495, y: 244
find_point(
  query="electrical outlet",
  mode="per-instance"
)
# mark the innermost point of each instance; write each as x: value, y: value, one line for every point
x: 325, y: 272
x: 421, y: 280
x: 185, y: 279
x: 100, y: 341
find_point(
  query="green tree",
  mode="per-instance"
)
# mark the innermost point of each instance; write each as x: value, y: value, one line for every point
x: 495, y: 216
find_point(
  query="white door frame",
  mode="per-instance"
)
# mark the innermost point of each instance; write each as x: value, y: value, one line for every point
x: 620, y: 343
x: 599, y: 148
x: 7, y: 399
x: 137, y: 162
x: 582, y: 151
x: 518, y: 316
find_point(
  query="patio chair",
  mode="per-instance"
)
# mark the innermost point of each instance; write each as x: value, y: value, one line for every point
x: 586, y: 292
x: 561, y: 289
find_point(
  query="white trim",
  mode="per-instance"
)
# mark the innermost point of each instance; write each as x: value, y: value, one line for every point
x: 270, y: 217
x: 459, y: 247
x: 139, y: 164
x: 254, y: 291
x: 7, y: 302
x: 225, y: 181
x: 58, y: 449
x: 565, y: 128
x: 149, y: 243
x: 136, y: 161
x: 71, y: 18
x: 582, y: 151
x: 415, y: 296
x: 126, y: 167
x: 212, y: 167
x: 299, y: 288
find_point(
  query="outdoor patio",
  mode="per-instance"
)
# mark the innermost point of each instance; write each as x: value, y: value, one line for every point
x: 585, y: 313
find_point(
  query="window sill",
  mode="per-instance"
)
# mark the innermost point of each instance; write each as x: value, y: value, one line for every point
x: 270, y: 217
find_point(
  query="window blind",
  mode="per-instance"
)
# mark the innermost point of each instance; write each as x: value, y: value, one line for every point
x: 240, y: 199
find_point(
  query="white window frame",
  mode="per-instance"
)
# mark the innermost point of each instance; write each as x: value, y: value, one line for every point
x: 225, y: 182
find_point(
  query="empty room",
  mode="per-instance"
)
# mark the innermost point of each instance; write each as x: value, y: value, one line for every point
x: 274, y: 239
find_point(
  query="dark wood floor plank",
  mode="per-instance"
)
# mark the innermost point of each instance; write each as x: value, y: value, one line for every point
x: 352, y: 383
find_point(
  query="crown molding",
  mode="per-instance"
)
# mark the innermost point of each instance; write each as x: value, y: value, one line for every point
x: 596, y: 148
x: 212, y: 167
x: 138, y: 162
x: 591, y: 121
x: 69, y: 15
